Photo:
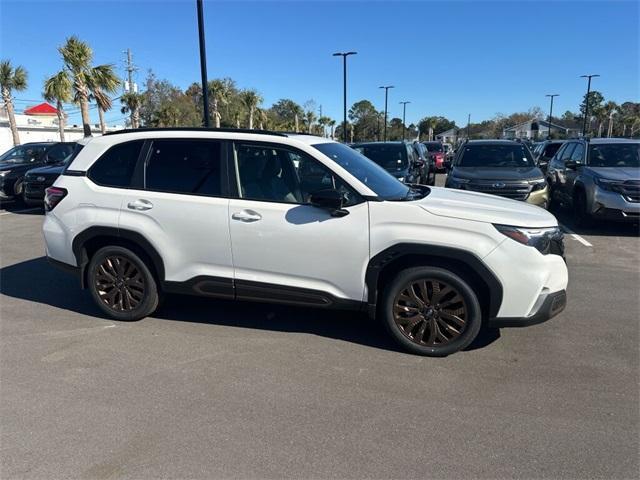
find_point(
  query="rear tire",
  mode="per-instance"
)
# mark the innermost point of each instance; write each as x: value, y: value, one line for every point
x: 430, y: 311
x: 121, y: 284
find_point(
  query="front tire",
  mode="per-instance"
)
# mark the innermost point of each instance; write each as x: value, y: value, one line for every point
x: 583, y: 219
x: 121, y: 284
x: 431, y: 311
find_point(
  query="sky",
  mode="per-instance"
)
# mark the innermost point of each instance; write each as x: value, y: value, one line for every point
x: 448, y: 58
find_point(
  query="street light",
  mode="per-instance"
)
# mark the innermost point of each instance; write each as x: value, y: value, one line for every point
x: 586, y: 102
x: 404, y: 111
x: 386, y: 97
x: 203, y: 63
x: 551, y: 95
x: 344, y: 56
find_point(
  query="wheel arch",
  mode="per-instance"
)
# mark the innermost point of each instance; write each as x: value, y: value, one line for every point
x: 89, y: 241
x: 386, y: 264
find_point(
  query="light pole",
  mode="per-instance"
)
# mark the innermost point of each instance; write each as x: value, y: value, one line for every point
x: 551, y: 95
x: 468, y: 125
x: 586, y: 102
x: 386, y: 97
x: 203, y: 64
x: 344, y: 56
x: 404, y: 111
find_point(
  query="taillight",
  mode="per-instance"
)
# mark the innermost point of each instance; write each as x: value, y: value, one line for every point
x: 53, y: 196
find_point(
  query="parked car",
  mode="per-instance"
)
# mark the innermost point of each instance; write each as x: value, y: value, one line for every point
x: 436, y: 150
x: 428, y: 175
x: 38, y: 179
x: 142, y: 212
x: 599, y: 178
x: 397, y: 158
x: 499, y: 167
x: 543, y: 152
x: 17, y: 161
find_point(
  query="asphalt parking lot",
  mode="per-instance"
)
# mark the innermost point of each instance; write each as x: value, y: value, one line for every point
x: 213, y: 389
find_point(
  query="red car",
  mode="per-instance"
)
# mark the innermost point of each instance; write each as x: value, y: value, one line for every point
x: 436, y: 152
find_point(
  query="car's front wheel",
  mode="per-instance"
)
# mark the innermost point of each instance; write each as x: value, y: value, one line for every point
x: 431, y: 311
x: 121, y: 284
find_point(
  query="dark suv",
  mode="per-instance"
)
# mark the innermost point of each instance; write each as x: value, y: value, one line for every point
x: 499, y: 167
x: 38, y: 179
x: 397, y: 158
x: 599, y: 178
x: 17, y: 161
x: 544, y: 152
x: 429, y: 169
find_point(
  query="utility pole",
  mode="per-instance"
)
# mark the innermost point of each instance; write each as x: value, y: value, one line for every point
x: 610, y: 129
x: 551, y: 95
x: 386, y: 97
x: 404, y: 111
x: 203, y: 65
x: 130, y: 68
x: 344, y: 56
x: 586, y: 102
x: 468, y: 125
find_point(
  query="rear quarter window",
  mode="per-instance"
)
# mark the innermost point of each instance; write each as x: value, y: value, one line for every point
x: 116, y: 166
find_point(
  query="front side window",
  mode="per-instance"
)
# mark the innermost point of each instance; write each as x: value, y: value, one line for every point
x: 285, y: 176
x: 577, y: 153
x: 185, y: 166
x: 60, y: 152
x: 115, y: 167
x: 615, y: 155
x: 566, y: 153
x: 23, y: 154
x: 508, y: 156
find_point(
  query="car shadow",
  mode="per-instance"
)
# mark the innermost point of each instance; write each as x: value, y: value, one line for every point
x: 597, y: 227
x: 20, y: 208
x: 37, y: 281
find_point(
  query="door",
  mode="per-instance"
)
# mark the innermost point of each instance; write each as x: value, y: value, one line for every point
x: 570, y: 174
x: 560, y: 171
x: 284, y: 248
x: 183, y: 210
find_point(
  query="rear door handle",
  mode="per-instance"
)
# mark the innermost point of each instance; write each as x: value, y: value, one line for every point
x: 247, y: 216
x: 140, y: 205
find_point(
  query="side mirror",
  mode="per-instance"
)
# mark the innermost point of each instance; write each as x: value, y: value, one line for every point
x: 419, y: 163
x: 329, y: 199
x: 570, y: 164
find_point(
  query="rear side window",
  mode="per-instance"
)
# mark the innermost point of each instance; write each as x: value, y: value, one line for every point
x: 115, y: 167
x: 185, y: 166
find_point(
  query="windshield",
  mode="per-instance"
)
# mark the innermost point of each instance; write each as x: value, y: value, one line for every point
x: 502, y: 156
x: 615, y: 155
x: 433, y: 146
x: 373, y: 176
x: 391, y: 157
x: 23, y: 153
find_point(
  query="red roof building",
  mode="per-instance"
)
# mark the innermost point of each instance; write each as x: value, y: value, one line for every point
x: 43, y: 109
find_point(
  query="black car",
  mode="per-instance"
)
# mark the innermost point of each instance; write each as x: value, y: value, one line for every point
x: 499, y: 167
x: 429, y: 168
x: 38, y: 179
x: 543, y: 152
x: 397, y: 158
x: 18, y: 160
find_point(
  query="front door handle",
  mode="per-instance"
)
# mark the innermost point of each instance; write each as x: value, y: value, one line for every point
x: 247, y: 216
x: 140, y: 205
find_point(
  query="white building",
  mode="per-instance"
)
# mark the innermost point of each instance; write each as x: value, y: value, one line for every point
x: 40, y: 124
x: 536, y: 128
x: 450, y: 136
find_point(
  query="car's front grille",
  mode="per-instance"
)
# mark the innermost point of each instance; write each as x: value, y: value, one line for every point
x: 630, y: 190
x: 513, y: 190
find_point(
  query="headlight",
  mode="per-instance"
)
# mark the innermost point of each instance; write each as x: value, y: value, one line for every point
x: 538, y: 184
x: 456, y: 182
x: 610, y: 185
x: 401, y: 179
x: 4, y: 173
x: 545, y: 240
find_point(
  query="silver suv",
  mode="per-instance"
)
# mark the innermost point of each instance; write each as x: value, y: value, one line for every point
x: 600, y: 178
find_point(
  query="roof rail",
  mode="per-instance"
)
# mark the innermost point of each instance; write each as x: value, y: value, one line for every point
x: 195, y: 129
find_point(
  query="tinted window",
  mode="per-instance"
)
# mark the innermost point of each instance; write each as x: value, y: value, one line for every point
x: 283, y: 175
x: 551, y: 149
x: 433, y: 146
x: 496, y: 156
x: 566, y: 153
x: 615, y: 155
x: 391, y: 157
x: 578, y: 153
x: 60, y: 152
x: 185, y: 166
x: 115, y: 167
x: 24, y: 153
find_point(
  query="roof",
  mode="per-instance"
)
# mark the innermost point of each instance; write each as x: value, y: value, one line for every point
x: 41, y: 109
x: 539, y: 121
x: 613, y: 140
x: 495, y: 141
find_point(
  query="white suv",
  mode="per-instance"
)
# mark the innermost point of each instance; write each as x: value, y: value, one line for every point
x: 301, y: 220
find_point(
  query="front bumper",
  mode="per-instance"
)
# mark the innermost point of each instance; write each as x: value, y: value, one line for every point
x: 34, y: 192
x: 613, y: 206
x: 546, y: 307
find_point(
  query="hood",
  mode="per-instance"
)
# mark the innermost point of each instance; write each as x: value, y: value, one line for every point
x: 480, y: 207
x: 617, y: 173
x: 498, y: 173
x: 50, y: 170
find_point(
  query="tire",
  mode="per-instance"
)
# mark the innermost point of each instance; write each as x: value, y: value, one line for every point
x: 451, y: 333
x: 583, y: 219
x: 121, y: 284
x: 18, y: 189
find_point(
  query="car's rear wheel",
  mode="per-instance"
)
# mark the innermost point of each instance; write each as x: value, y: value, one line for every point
x: 431, y: 311
x: 121, y: 284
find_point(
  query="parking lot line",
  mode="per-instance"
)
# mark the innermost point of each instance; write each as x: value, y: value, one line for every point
x: 20, y: 211
x: 576, y: 236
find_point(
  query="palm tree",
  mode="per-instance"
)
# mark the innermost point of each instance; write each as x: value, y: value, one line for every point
x: 323, y: 122
x: 104, y: 81
x: 332, y: 124
x: 86, y: 80
x: 131, y: 103
x: 57, y: 88
x: 251, y: 99
x: 220, y: 92
x: 12, y: 79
